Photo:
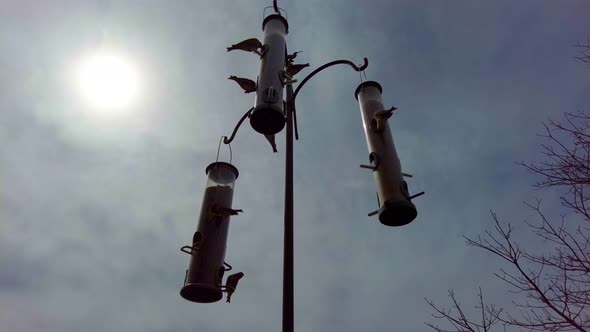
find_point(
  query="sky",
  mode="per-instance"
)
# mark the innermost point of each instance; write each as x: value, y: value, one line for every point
x: 95, y: 205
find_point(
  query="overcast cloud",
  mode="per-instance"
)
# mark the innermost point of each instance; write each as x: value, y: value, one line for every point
x: 94, y: 207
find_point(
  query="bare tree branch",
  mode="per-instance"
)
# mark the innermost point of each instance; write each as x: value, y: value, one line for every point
x: 489, y: 316
x: 552, y: 287
x: 584, y: 48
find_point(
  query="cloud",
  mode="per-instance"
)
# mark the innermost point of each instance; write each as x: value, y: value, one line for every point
x: 92, y: 214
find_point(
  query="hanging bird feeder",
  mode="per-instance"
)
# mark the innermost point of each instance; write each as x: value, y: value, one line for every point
x: 395, y: 203
x: 268, y: 117
x: 203, y: 279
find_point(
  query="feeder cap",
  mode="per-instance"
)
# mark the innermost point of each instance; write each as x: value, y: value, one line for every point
x: 201, y: 293
x: 276, y: 16
x: 267, y: 119
x: 365, y: 85
x: 223, y: 164
x: 397, y: 213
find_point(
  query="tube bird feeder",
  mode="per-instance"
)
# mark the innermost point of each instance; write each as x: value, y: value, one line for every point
x: 267, y: 116
x: 395, y: 205
x: 203, y: 279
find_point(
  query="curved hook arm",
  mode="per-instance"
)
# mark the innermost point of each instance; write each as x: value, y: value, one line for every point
x: 329, y: 64
x: 233, y: 134
x: 291, y: 101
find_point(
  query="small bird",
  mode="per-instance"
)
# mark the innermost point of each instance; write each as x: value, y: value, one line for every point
x: 247, y: 84
x: 231, y: 283
x: 249, y: 45
x: 271, y: 140
x: 293, y: 69
x: 291, y: 57
x: 224, y: 212
x: 381, y: 117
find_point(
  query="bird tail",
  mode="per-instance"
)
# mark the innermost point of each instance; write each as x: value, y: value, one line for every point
x: 271, y: 140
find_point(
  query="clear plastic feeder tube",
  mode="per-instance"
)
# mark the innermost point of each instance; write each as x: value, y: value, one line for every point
x: 204, y: 276
x: 395, y: 207
x: 268, y: 117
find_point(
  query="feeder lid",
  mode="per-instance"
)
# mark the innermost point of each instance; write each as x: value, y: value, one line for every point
x: 222, y: 164
x: 276, y: 16
x: 397, y: 213
x: 366, y: 85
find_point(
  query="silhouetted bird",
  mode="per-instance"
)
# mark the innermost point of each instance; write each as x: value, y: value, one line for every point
x: 271, y: 140
x: 291, y: 57
x: 246, y: 84
x: 248, y: 45
x: 225, y: 212
x: 293, y: 69
x: 231, y: 283
x: 381, y: 118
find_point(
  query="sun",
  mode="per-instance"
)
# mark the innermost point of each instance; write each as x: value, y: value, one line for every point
x: 107, y: 81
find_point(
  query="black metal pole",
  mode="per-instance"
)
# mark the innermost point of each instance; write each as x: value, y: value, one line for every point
x: 288, y: 307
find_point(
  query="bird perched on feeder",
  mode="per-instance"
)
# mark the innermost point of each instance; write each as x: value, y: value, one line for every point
x: 271, y: 140
x: 293, y: 69
x: 231, y: 283
x: 249, y: 45
x: 219, y: 211
x: 381, y: 117
x: 291, y: 57
x: 247, y: 84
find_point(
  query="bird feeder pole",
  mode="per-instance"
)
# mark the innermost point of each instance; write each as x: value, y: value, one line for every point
x: 288, y: 250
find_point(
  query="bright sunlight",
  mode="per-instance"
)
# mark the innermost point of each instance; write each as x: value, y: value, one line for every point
x: 107, y: 81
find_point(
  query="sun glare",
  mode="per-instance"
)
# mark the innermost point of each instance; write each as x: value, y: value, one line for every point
x: 107, y: 81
